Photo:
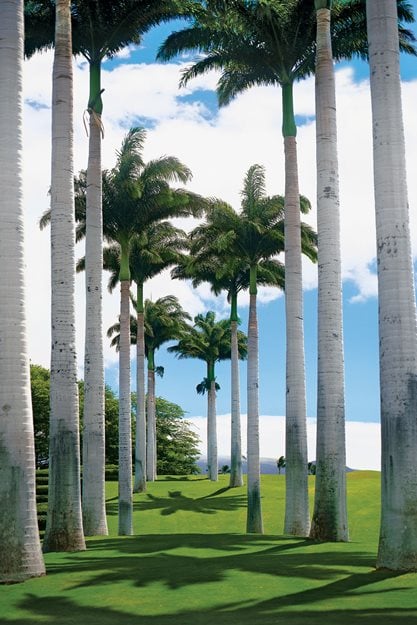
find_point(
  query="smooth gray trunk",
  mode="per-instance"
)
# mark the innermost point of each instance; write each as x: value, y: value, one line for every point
x: 330, y: 513
x: 254, y: 523
x: 397, y: 310
x: 236, y: 478
x: 20, y: 549
x: 125, y: 427
x: 212, y: 462
x: 64, y: 528
x: 94, y: 497
x: 151, y: 429
x: 140, y: 442
x: 297, y: 515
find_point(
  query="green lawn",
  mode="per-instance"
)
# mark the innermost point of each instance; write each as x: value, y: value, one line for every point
x: 192, y: 564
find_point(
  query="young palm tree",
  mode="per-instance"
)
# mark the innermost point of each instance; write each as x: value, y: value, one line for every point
x: 209, y: 341
x: 205, y: 264
x: 20, y: 549
x: 100, y: 29
x: 157, y: 247
x: 164, y: 320
x: 273, y: 42
x: 225, y: 269
x: 397, y: 312
x: 64, y: 529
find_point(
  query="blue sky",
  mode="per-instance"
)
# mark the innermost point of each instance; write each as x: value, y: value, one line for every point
x: 219, y: 147
x: 360, y: 320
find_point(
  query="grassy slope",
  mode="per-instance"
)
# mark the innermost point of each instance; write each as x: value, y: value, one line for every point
x: 192, y: 564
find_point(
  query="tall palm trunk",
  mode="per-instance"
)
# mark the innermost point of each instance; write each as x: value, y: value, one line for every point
x: 397, y: 314
x: 297, y: 517
x: 94, y: 506
x: 236, y: 478
x: 64, y: 529
x: 212, y: 461
x: 151, y: 421
x: 20, y: 549
x: 330, y: 514
x: 254, y: 522
x: 125, y: 428
x: 140, y: 441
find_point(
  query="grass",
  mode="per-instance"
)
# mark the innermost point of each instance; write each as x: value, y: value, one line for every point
x: 192, y: 564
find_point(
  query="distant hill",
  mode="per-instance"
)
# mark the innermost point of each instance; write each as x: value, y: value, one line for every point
x: 268, y: 465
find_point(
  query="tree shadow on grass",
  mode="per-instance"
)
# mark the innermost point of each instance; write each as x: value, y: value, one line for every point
x: 54, y: 610
x: 185, y: 560
x: 176, y: 501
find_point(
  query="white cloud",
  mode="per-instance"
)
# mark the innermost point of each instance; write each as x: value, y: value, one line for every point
x: 362, y: 439
x: 219, y: 149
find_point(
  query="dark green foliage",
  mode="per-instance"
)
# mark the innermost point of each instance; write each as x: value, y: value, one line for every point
x: 40, y: 404
x: 177, y: 444
x: 39, y: 381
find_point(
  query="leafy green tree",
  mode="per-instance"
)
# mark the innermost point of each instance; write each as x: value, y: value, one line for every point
x: 281, y: 463
x: 210, y: 341
x: 40, y: 390
x: 177, y: 443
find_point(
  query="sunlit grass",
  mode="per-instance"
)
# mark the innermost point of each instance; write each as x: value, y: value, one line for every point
x: 190, y: 563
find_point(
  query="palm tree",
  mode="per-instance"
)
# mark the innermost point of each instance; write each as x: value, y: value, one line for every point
x: 272, y: 42
x: 157, y: 247
x: 100, y: 29
x: 224, y: 269
x: 330, y: 515
x: 255, y: 236
x: 164, y: 320
x: 64, y: 528
x: 136, y: 194
x: 223, y: 273
x: 209, y: 341
x: 20, y: 549
x: 397, y: 312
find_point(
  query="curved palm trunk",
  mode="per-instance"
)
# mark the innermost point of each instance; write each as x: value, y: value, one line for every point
x: 140, y: 442
x: 151, y: 421
x: 64, y: 529
x: 236, y: 478
x: 297, y: 516
x: 330, y: 514
x: 94, y: 500
x: 397, y: 314
x: 125, y: 430
x: 20, y: 549
x: 254, y: 522
x: 212, y: 462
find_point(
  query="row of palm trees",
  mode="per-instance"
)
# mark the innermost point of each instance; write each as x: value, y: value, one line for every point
x: 251, y: 43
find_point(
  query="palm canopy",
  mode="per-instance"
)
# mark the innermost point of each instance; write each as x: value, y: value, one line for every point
x: 208, y: 340
x: 100, y: 29
x: 264, y: 42
x: 165, y: 320
x: 227, y: 244
x: 157, y: 247
x: 137, y: 194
